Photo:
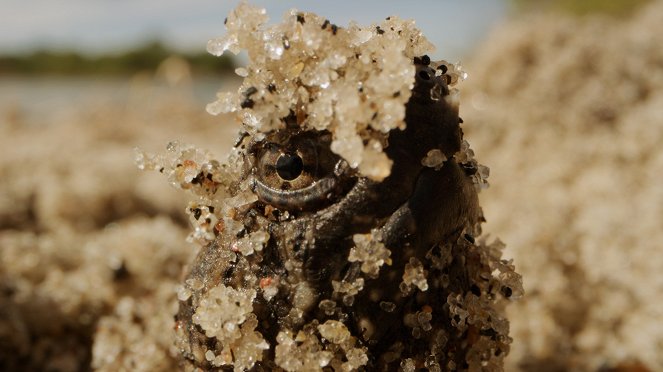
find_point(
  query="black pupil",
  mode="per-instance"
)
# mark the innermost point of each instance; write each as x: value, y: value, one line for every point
x: 289, y: 166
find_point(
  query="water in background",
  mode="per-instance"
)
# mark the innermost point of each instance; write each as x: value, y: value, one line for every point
x: 36, y: 99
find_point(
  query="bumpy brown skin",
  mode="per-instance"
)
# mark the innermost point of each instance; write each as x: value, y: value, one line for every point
x: 418, y: 209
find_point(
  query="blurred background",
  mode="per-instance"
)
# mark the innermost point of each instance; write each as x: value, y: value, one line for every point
x: 564, y: 103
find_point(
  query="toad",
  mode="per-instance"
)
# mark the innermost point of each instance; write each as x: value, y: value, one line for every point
x: 345, y: 232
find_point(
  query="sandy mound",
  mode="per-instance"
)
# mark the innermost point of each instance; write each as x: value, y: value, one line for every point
x: 568, y: 114
x: 91, y: 249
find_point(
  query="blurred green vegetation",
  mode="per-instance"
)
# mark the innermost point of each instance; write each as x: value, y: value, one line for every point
x: 143, y: 58
x: 617, y: 8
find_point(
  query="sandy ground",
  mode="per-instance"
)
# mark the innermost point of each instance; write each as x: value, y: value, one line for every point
x: 567, y: 113
x: 92, y: 248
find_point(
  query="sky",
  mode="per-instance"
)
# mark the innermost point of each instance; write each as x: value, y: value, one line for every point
x: 97, y: 26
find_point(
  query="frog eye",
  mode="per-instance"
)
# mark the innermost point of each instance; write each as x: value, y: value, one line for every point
x: 289, y: 166
x: 298, y: 172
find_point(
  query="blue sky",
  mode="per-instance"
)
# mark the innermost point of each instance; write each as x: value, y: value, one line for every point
x: 101, y: 25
